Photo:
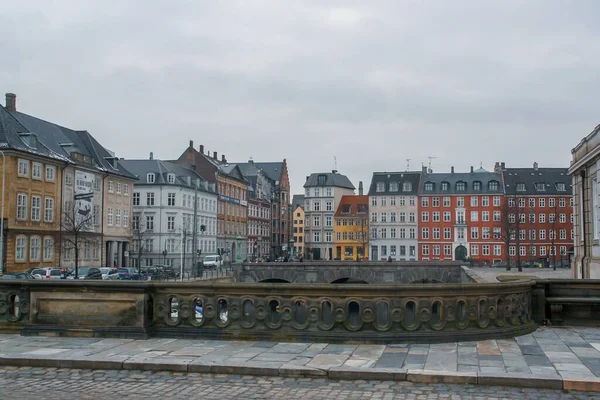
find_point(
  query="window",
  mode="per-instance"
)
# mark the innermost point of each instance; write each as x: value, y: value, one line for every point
x: 512, y: 251
x: 384, y: 201
x: 317, y: 192
x: 118, y: 187
x: 532, y: 218
x: 149, y: 222
x: 393, y: 233
x: 521, y: 202
x: 412, y: 233
x: 460, y: 202
x: 425, y: 216
x: 20, y: 248
x: 411, y: 201
x: 474, y: 216
x: 542, y: 218
x: 562, y: 218
x: 111, y: 186
x: 149, y: 246
x: 436, y: 216
x: 126, y: 189
x: 497, y: 216
x: 69, y: 178
x: 520, y: 188
x: 125, y: 218
x: 328, y: 221
x: 118, y: 217
x: 474, y: 201
x: 150, y: 178
x: 447, y: 216
x: 23, y: 169
x: 316, y: 237
x: 561, y: 187
x: 374, y: 217
x: 328, y: 236
x: 96, y: 183
x: 136, y: 198
x: 542, y: 202
x: 406, y: 187
x: 563, y: 234
x: 171, y: 223
x: 485, y: 201
x: 36, y: 172
x: 429, y: 186
x: 383, y: 217
x: 474, y: 233
x: 436, y: 250
x: 150, y: 199
x: 316, y: 221
x: 394, y: 186
x: 461, y: 186
x: 316, y: 206
x: 383, y: 233
x: 540, y: 187
x: 445, y: 186
x: 447, y: 250
x: 373, y: 201
x: 552, y: 202
x: 485, y: 216
x: 531, y: 202
x: 171, y: 178
x: 96, y: 216
x: 532, y: 234
x: 21, y: 206
x: 425, y: 233
x: 36, y: 207
x: 425, y: 202
x: 425, y: 250
x: 48, y: 209
x: 34, y: 248
x: 435, y: 202
x: 562, y: 202
x: 551, y: 218
x: 48, y: 249
x: 497, y: 232
x: 477, y: 186
x: 50, y: 173
x: 522, y: 251
x: 474, y: 250
x: 542, y: 251
x: 110, y: 216
x: 328, y: 206
x: 485, y: 233
x: 497, y: 201
x: 171, y: 199
x: 380, y: 187
x: 447, y: 234
x: 436, y: 233
x: 485, y: 250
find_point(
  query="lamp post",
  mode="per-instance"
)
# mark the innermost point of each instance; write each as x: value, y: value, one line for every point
x: 291, y: 247
x: 2, y: 215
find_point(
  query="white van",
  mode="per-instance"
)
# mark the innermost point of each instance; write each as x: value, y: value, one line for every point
x: 213, y: 261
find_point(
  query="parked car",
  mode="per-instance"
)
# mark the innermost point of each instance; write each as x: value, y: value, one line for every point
x: 20, y: 275
x: 212, y: 261
x: 128, y: 274
x: 93, y: 273
x: 46, y: 273
x: 109, y: 273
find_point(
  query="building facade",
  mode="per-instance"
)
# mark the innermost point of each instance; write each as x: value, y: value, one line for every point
x: 259, y: 217
x: 298, y: 218
x: 323, y: 192
x: 456, y: 216
x: 232, y: 205
x: 540, y: 217
x: 585, y: 173
x: 165, y: 200
x: 351, y: 228
x: 393, y: 207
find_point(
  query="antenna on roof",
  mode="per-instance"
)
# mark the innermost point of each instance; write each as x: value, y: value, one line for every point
x: 430, y: 158
x: 480, y: 164
x: 335, y: 163
x: 407, y: 164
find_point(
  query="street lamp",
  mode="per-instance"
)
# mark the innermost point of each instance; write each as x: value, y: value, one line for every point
x: 2, y: 215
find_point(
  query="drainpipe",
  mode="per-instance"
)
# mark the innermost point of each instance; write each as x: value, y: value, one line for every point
x: 583, y: 221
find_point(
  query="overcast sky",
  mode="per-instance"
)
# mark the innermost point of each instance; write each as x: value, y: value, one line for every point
x: 371, y: 83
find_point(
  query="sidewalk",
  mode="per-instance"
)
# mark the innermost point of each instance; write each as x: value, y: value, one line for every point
x: 551, y: 358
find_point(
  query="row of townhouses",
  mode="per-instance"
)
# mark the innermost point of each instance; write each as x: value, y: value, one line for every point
x: 67, y: 197
x: 505, y: 215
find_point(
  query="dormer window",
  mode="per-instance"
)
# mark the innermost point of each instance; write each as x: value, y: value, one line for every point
x: 429, y: 186
x: 346, y: 208
x: 171, y: 178
x: 461, y: 186
x: 561, y: 187
x: 406, y: 187
x: 29, y: 139
x: 520, y: 187
x: 393, y: 186
x: 380, y: 187
x: 445, y: 186
x: 321, y: 179
x: 150, y: 178
x: 540, y: 187
x: 477, y: 186
x: 493, y: 186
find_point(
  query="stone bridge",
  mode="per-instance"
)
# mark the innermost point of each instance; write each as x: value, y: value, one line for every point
x: 355, y: 272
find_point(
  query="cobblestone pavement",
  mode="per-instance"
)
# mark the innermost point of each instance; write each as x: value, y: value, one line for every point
x: 560, y: 352
x: 51, y: 383
x: 490, y: 274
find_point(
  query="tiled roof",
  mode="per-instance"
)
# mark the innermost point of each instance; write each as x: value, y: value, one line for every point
x: 533, y: 179
x: 470, y: 179
x: 353, y: 205
x: 331, y: 179
x: 272, y: 169
x: 161, y: 169
x: 392, y: 183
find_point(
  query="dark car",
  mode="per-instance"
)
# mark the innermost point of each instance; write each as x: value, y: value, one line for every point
x: 20, y: 275
x: 128, y: 274
x: 94, y: 273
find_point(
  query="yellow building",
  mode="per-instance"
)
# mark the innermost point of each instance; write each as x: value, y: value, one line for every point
x: 298, y: 226
x: 351, y: 228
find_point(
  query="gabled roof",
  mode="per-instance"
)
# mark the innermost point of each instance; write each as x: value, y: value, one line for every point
x: 161, y: 170
x: 470, y: 179
x: 352, y: 206
x: 298, y: 200
x: 551, y: 178
x: 329, y: 179
x: 13, y: 133
x: 393, y: 183
x: 272, y: 169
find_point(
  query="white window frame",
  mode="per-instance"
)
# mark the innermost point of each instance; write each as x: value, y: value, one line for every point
x: 150, y: 178
x: 21, y: 247
x: 109, y: 216
x: 48, y: 209
x: 23, y: 168
x: 48, y: 250
x: 22, y: 207
x: 68, y: 178
x: 36, y: 208
x: 126, y: 189
x: 35, y: 249
x: 50, y: 173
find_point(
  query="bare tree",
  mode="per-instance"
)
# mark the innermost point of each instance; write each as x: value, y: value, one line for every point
x: 509, y: 228
x: 77, y: 226
x: 552, y: 234
x: 140, y: 234
x: 360, y: 230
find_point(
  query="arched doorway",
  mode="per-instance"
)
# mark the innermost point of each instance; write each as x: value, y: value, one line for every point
x: 460, y: 253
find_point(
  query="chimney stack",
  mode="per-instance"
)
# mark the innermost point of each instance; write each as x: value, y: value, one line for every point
x: 151, y: 155
x: 471, y: 169
x: 11, y: 102
x: 423, y: 169
x: 201, y: 149
x: 535, y: 166
x: 215, y: 155
x: 452, y: 169
x: 223, y: 159
x: 360, y: 188
x: 503, y: 165
x: 192, y: 144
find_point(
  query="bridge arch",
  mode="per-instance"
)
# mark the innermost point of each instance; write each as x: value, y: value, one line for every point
x: 350, y: 281
x: 274, y: 280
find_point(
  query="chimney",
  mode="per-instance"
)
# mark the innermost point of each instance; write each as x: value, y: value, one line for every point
x: 201, y: 149
x: 192, y: 144
x: 471, y: 169
x: 423, y: 169
x: 535, y: 166
x: 11, y: 102
x: 307, y: 178
x: 360, y: 188
x: 223, y: 159
x: 452, y: 169
x: 151, y: 155
x: 215, y: 155
x: 503, y: 165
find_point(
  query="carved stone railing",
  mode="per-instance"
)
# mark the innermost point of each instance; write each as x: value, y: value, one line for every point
x: 285, y: 312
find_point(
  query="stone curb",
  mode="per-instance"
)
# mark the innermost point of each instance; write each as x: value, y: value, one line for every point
x: 555, y: 382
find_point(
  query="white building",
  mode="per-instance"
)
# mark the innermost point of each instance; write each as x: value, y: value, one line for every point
x: 163, y: 214
x: 394, y: 214
x: 323, y: 192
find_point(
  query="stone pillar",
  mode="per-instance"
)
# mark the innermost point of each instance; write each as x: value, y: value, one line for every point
x: 110, y: 254
x: 125, y: 255
x: 119, y: 254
